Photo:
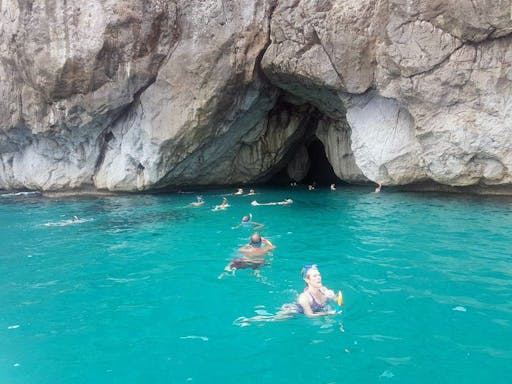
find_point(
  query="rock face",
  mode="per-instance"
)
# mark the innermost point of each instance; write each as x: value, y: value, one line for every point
x: 69, y: 70
x: 151, y: 94
x: 425, y: 89
x: 206, y: 105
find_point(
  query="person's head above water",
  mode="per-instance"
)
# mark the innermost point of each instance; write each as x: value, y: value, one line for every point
x: 256, y: 240
x: 307, y: 269
x: 246, y: 218
x: 312, y: 276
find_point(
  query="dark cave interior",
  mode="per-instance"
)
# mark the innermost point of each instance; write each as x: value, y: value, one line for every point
x: 320, y: 171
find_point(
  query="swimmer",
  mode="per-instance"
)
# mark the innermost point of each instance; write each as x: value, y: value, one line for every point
x: 333, y: 187
x: 247, y: 222
x: 313, y: 301
x: 251, y: 192
x: 239, y: 191
x: 222, y: 205
x: 284, y: 202
x: 198, y: 203
x: 253, y: 255
x: 74, y: 220
x: 379, y: 187
x: 311, y: 187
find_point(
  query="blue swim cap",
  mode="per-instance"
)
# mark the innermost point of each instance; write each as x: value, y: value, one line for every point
x: 306, y: 268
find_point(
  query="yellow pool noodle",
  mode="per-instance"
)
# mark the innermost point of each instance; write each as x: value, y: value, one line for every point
x: 340, y: 298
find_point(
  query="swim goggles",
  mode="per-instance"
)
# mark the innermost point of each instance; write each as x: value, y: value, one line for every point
x: 256, y: 244
x: 306, y: 268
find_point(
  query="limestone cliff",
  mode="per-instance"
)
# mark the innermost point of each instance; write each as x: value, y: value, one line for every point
x: 134, y: 95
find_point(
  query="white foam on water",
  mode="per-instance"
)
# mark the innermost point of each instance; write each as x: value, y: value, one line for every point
x: 126, y: 280
x: 387, y: 375
x: 64, y: 223
x: 16, y: 194
x: 204, y: 338
x: 263, y: 312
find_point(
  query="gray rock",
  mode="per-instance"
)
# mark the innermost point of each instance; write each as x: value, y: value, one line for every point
x: 144, y: 95
x: 440, y: 104
x: 68, y: 70
x: 204, y: 119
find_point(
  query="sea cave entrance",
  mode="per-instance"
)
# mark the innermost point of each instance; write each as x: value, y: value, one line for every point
x: 305, y: 161
x: 320, y: 171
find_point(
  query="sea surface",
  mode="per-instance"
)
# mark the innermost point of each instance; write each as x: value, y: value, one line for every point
x: 133, y: 291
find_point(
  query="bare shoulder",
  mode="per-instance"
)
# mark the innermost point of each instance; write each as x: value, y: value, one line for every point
x: 303, y: 298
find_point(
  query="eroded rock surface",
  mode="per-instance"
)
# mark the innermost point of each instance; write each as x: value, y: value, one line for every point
x: 140, y: 95
x: 425, y: 86
x: 68, y: 70
x: 206, y: 107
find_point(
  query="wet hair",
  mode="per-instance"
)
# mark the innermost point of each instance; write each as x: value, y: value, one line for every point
x: 255, y: 238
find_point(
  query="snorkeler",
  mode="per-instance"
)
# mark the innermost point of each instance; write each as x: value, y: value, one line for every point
x: 253, y: 255
x: 284, y: 202
x: 247, y: 222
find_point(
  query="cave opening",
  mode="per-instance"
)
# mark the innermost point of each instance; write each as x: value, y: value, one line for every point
x: 320, y: 171
x: 305, y: 160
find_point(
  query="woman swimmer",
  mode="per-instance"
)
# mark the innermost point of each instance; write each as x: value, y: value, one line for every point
x: 313, y: 301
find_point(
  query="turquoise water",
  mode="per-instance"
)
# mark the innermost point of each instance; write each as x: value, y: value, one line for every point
x: 131, y: 294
